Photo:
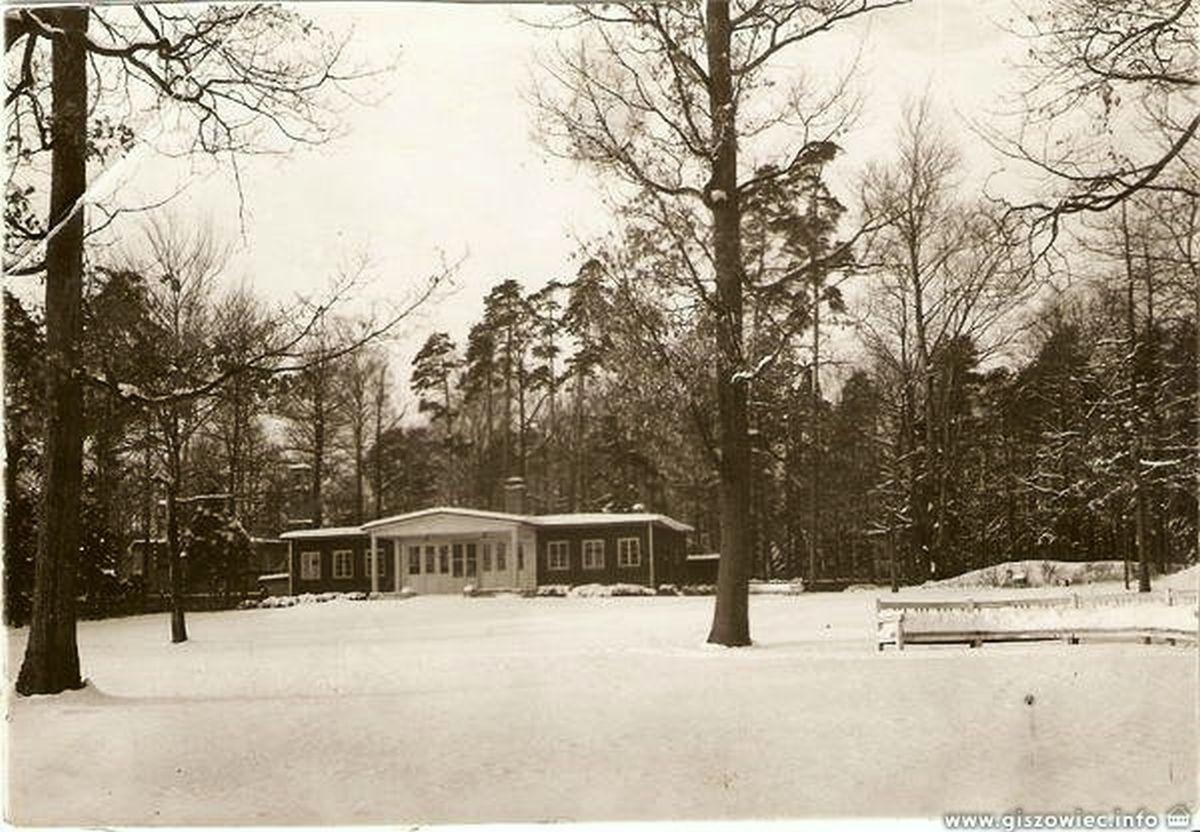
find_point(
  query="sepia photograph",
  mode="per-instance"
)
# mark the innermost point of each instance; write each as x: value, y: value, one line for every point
x: 723, y: 412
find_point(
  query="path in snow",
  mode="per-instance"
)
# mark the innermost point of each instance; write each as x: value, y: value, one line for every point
x: 442, y: 709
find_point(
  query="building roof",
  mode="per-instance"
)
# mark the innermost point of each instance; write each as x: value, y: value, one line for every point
x: 455, y: 510
x: 331, y: 531
x: 548, y: 520
x: 600, y: 518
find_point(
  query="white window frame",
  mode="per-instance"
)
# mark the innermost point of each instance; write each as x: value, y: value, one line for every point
x: 553, y: 548
x: 588, y: 547
x: 343, y: 557
x: 307, y: 561
x: 625, y: 559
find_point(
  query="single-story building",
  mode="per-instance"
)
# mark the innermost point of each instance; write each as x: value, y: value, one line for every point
x: 445, y: 550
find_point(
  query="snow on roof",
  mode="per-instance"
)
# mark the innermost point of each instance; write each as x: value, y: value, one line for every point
x: 331, y: 531
x: 705, y: 556
x: 274, y: 576
x: 576, y: 519
x: 603, y: 518
x: 462, y: 512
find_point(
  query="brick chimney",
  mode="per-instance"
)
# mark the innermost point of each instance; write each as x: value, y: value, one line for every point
x: 514, y: 495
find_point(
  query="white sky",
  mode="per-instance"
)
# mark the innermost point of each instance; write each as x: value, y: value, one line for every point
x: 447, y: 161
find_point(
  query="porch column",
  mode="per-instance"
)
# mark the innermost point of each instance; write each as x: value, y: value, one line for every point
x: 374, y: 559
x: 397, y: 558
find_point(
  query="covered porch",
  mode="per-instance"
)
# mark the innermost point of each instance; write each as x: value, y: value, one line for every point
x: 445, y: 550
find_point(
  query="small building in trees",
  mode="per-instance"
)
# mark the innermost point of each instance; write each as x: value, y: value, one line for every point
x: 446, y: 550
x: 147, y: 565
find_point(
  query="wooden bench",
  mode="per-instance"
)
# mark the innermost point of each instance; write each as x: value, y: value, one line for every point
x: 895, y: 621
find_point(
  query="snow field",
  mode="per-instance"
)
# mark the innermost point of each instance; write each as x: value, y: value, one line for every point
x: 448, y: 709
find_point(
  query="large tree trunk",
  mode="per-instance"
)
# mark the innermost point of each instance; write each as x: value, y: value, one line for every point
x: 51, y: 662
x: 731, y: 619
x: 1196, y: 283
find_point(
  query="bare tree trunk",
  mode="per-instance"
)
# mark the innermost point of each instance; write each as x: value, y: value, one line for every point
x: 579, y: 455
x: 522, y: 439
x: 815, y: 415
x: 553, y: 470
x: 731, y: 619
x: 929, y: 460
x: 174, y: 555
x: 450, y: 470
x: 1135, y: 401
x: 51, y: 663
x: 316, y: 513
x: 360, y: 440
x: 378, y: 484
x: 506, y: 438
x: 148, y: 564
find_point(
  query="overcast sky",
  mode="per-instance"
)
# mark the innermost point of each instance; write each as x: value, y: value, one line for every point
x: 447, y: 162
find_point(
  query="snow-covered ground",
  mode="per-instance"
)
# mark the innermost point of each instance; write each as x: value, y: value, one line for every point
x: 445, y: 709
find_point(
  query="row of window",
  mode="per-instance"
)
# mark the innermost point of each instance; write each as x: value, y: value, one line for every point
x: 558, y: 554
x: 468, y: 559
x: 462, y: 559
x: 343, y: 564
x: 458, y: 559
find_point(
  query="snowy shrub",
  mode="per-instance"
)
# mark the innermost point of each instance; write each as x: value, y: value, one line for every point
x: 275, y: 602
x: 795, y: 587
x: 699, y: 589
x: 668, y: 589
x: 553, y: 591
x: 408, y: 592
x: 861, y: 588
x: 609, y: 590
x: 632, y: 589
